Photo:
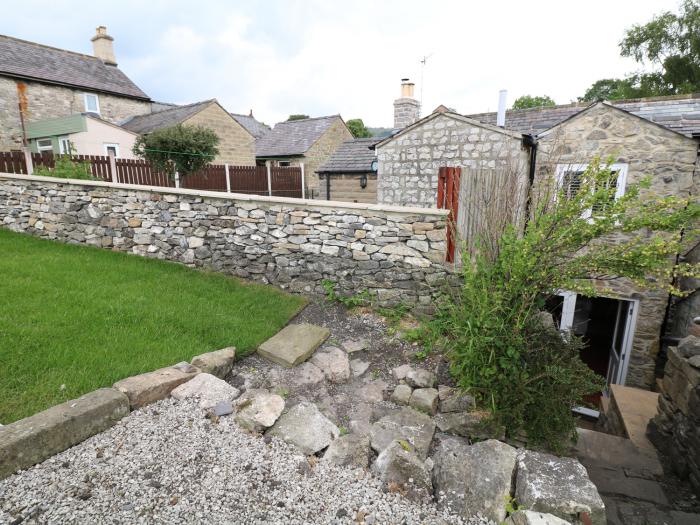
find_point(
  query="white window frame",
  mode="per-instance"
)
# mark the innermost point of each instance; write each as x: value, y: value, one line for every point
x: 62, y: 142
x: 41, y: 148
x: 97, y: 102
x: 619, y: 167
x: 111, y: 145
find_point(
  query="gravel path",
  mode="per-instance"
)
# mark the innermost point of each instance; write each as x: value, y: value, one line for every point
x: 167, y: 463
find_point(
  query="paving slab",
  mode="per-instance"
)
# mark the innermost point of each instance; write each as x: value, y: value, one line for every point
x: 294, y: 344
x: 636, y: 408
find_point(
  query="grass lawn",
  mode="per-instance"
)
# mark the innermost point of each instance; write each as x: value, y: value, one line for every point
x: 74, y: 318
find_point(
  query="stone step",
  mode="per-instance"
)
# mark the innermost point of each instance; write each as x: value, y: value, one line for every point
x: 294, y: 344
x: 634, y: 408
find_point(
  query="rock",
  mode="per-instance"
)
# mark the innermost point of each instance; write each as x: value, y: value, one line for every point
x: 474, y: 478
x: 222, y: 408
x: 293, y: 344
x: 694, y: 361
x: 473, y: 425
x: 308, y: 374
x: 451, y: 400
x: 372, y: 392
x: 351, y: 450
x: 401, y: 394
x: 208, y: 389
x: 358, y: 345
x: 306, y: 428
x: 218, y: 363
x: 407, y: 425
x: 689, y: 346
x: 258, y: 410
x: 559, y: 486
x: 33, y: 439
x: 358, y: 367
x: 529, y: 517
x: 402, y: 470
x: 401, y: 371
x: 419, y: 378
x: 147, y: 388
x: 546, y: 320
x: 334, y: 364
x: 424, y: 400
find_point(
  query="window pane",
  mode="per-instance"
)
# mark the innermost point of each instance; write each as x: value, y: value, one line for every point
x: 91, y: 103
x: 572, y: 183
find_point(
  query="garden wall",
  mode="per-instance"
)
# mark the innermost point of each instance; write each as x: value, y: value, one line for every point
x: 397, y: 254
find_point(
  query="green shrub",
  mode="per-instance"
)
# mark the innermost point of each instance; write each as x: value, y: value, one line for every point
x: 66, y: 168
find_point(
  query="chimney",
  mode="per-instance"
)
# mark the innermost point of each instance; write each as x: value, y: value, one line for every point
x: 501, y: 116
x: 406, y: 108
x: 102, y: 46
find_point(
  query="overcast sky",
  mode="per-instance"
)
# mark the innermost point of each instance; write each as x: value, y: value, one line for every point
x: 323, y: 57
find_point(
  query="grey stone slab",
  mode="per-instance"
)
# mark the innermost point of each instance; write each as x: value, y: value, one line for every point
x: 38, y: 437
x: 305, y: 427
x: 294, y: 344
x: 615, y: 482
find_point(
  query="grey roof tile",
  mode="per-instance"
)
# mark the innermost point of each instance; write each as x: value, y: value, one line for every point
x: 352, y: 156
x: 254, y: 127
x: 165, y: 118
x: 28, y: 60
x: 293, y: 137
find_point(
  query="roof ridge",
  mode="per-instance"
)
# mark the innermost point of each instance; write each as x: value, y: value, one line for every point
x: 307, y: 119
x: 50, y: 47
x: 176, y: 106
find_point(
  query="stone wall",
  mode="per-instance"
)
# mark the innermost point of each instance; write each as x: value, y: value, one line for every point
x: 676, y: 428
x: 648, y: 150
x: 49, y: 101
x: 396, y: 254
x: 409, y: 163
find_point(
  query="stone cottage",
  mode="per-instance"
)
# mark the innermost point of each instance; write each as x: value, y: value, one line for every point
x: 236, y: 143
x: 39, y: 82
x: 350, y: 175
x: 310, y: 141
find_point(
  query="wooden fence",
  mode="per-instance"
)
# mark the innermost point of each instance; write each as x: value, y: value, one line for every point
x: 252, y: 180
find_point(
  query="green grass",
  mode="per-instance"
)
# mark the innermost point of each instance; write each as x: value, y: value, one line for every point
x: 74, y: 318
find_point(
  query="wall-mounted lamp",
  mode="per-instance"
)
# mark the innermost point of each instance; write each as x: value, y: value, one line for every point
x: 363, y: 181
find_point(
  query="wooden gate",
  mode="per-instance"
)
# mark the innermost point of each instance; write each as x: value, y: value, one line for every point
x: 448, y: 199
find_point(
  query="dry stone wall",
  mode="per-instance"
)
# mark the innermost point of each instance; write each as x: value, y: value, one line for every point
x: 396, y: 254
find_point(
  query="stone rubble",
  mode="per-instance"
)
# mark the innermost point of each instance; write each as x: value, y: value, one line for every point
x: 209, y: 390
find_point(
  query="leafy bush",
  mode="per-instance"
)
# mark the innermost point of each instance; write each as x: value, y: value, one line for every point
x: 66, y: 168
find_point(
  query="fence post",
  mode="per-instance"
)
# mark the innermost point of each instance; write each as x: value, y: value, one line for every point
x: 269, y: 179
x: 303, y: 189
x: 113, y: 165
x: 177, y: 179
x: 28, y: 160
x: 228, y: 181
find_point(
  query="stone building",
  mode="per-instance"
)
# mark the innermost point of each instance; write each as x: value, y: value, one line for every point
x: 39, y: 82
x: 350, y: 175
x: 310, y: 141
x: 236, y: 143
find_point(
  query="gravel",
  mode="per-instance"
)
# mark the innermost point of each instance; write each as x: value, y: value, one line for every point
x: 168, y: 463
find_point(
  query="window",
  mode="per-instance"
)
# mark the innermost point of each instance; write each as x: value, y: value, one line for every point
x: 64, y: 146
x: 284, y: 164
x: 44, y: 145
x: 92, y: 103
x: 569, y: 178
x: 112, y: 149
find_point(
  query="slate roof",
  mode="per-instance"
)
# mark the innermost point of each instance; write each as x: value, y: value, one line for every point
x: 165, y: 118
x: 293, y: 137
x: 680, y: 113
x: 352, y: 156
x: 254, y: 127
x: 32, y: 61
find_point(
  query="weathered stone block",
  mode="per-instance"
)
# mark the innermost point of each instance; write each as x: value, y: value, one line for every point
x: 294, y: 344
x: 144, y: 389
x: 218, y: 363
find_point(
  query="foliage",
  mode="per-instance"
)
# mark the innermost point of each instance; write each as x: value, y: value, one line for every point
x: 491, y: 328
x: 527, y: 101
x: 66, y: 168
x: 183, y: 149
x: 350, y: 301
x: 669, y: 42
x: 297, y: 116
x: 358, y: 129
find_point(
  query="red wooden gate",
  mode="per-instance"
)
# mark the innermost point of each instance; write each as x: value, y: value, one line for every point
x: 448, y: 199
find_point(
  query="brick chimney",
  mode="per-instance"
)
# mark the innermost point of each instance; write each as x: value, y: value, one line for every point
x: 102, y: 46
x: 406, y: 108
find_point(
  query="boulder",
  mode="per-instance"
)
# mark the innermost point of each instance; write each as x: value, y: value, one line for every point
x: 401, y: 394
x: 473, y: 425
x: 218, y: 363
x: 352, y: 346
x: 307, y: 374
x: 529, y: 517
x: 350, y: 450
x: 293, y: 344
x: 358, y: 367
x: 257, y: 410
x: 150, y: 387
x: 559, y: 486
x: 372, y: 392
x: 471, y: 479
x: 306, y: 428
x: 424, y: 400
x: 689, y: 346
x: 334, y: 364
x: 407, y: 425
x: 420, y: 378
x: 208, y: 389
x: 452, y: 400
x: 401, y: 371
x: 403, y: 471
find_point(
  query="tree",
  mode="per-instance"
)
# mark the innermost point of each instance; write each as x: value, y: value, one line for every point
x: 527, y: 101
x: 670, y: 42
x: 297, y: 116
x: 183, y: 149
x: 526, y: 372
x: 358, y: 129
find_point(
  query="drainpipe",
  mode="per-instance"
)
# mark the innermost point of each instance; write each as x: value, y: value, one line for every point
x: 531, y: 142
x: 328, y: 186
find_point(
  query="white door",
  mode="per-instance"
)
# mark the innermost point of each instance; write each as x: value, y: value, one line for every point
x: 621, y: 343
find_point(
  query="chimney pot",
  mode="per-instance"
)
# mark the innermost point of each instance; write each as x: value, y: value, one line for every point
x: 501, y: 115
x: 102, y: 46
